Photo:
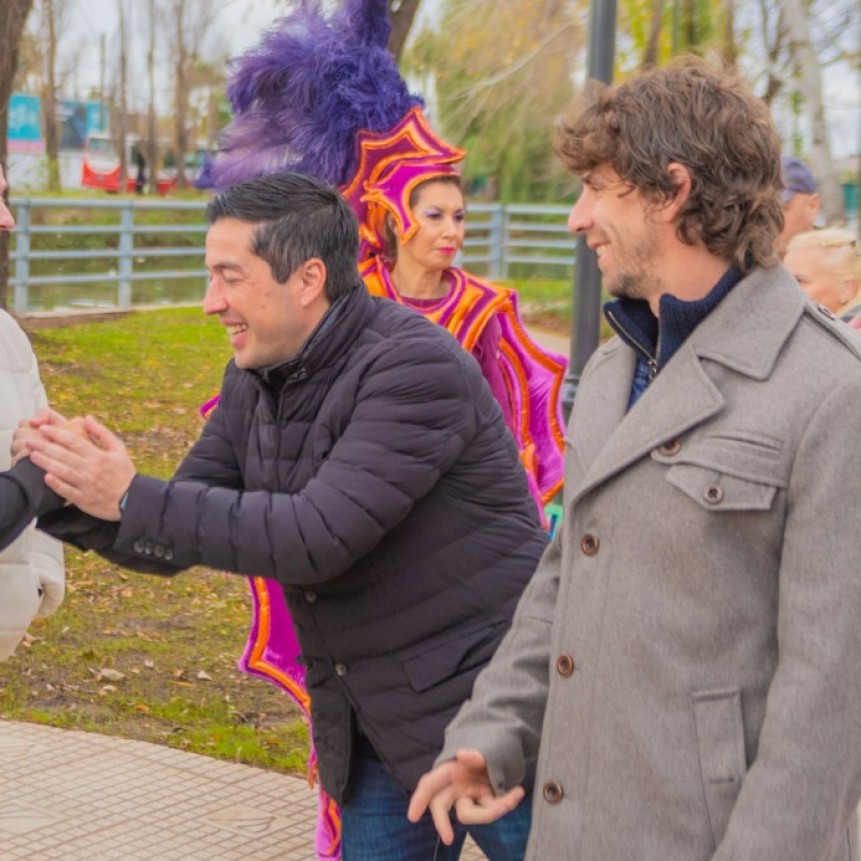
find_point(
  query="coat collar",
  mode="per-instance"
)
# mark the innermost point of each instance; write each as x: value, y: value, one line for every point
x: 330, y: 340
x: 746, y: 333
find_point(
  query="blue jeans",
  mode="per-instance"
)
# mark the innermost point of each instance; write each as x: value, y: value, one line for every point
x: 375, y: 825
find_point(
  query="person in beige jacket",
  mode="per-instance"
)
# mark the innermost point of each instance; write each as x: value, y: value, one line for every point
x: 685, y: 665
x: 32, y: 577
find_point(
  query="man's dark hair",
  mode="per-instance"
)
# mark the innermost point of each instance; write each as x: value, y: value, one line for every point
x: 297, y: 217
x: 710, y: 122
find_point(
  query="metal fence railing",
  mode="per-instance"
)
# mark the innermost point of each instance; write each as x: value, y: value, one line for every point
x: 74, y: 254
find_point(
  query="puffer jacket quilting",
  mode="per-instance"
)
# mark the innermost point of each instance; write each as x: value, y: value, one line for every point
x: 382, y: 488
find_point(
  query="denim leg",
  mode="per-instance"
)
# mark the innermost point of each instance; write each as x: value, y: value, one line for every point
x: 375, y: 826
x: 505, y: 839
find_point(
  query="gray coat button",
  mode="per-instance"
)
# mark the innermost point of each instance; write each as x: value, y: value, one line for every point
x: 713, y: 494
x: 553, y: 792
x: 589, y: 545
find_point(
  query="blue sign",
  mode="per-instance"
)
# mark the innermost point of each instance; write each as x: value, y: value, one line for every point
x: 25, y: 132
x: 76, y: 120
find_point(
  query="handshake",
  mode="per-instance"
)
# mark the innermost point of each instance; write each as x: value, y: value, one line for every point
x: 84, y: 462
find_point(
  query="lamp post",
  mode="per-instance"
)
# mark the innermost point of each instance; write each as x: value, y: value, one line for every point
x: 586, y: 293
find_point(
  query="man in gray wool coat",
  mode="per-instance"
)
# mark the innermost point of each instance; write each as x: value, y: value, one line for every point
x: 686, y: 663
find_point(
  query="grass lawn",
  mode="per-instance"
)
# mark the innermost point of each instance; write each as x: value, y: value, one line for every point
x: 547, y: 303
x: 130, y: 654
x: 135, y: 655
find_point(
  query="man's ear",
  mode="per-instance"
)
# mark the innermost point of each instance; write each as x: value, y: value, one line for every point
x: 313, y: 286
x: 681, y: 178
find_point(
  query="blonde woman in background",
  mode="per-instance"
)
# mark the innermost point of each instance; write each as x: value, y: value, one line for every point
x: 826, y: 264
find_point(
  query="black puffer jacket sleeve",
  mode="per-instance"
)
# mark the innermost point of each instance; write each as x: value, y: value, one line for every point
x: 210, y: 461
x: 23, y: 495
x: 413, y: 416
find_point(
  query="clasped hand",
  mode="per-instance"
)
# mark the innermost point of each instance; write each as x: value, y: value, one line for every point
x: 84, y: 462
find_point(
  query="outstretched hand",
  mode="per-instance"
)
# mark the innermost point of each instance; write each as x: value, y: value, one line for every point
x: 91, y: 471
x: 462, y: 783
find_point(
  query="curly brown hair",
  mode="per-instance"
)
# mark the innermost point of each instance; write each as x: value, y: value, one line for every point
x: 705, y: 119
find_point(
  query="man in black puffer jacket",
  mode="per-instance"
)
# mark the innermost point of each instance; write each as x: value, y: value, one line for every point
x: 358, y: 457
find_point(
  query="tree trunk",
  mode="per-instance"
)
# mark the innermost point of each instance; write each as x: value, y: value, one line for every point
x: 180, y: 94
x: 773, y: 49
x: 730, y: 49
x: 401, y: 13
x: 650, y: 55
x: 49, y: 95
x: 122, y: 112
x: 152, y: 126
x: 13, y: 15
x: 806, y: 65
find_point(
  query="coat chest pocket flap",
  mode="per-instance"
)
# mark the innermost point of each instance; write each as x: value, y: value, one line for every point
x: 728, y: 471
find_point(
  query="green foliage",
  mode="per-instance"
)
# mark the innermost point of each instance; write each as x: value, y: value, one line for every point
x: 130, y: 654
x: 685, y: 26
x: 503, y: 73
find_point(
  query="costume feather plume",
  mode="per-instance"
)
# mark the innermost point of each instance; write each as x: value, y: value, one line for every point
x: 301, y: 95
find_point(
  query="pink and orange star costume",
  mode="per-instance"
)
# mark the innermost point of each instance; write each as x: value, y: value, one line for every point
x: 320, y: 94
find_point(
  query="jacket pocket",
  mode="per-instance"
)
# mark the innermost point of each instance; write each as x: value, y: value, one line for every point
x: 432, y: 662
x: 718, y: 491
x: 719, y: 732
x: 727, y: 470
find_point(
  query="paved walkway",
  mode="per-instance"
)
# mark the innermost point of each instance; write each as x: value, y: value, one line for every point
x: 72, y: 796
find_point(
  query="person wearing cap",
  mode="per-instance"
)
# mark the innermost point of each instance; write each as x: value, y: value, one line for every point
x: 799, y: 200
x: 32, y: 577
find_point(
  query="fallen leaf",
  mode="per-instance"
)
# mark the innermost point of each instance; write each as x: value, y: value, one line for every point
x: 111, y: 675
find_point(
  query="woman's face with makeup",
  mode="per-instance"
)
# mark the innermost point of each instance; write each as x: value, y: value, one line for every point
x: 440, y: 214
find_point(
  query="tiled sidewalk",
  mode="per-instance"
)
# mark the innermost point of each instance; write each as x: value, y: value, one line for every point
x: 85, y: 797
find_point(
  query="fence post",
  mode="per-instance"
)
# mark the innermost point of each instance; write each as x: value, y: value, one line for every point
x: 126, y: 260
x: 495, y: 241
x: 22, y: 257
x: 503, y: 242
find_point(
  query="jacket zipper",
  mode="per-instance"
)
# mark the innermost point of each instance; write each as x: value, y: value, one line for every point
x: 651, y: 360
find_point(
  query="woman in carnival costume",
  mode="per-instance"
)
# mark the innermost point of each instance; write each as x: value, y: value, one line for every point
x: 322, y: 95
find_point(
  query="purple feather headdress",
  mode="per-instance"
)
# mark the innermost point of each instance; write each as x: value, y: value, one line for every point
x: 304, y: 92
x: 323, y: 96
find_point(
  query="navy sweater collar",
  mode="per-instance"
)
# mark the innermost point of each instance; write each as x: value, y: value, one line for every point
x: 655, y: 340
